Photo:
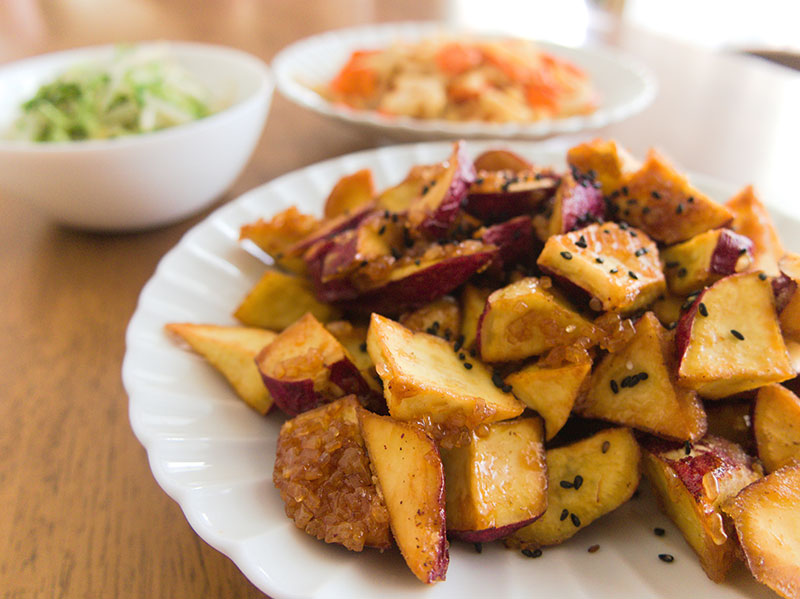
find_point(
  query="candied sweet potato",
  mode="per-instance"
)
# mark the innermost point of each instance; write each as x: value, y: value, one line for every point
x: 323, y: 474
x: 729, y: 340
x: 776, y: 425
x: 691, y: 481
x: 410, y: 477
x: 575, y: 205
x: 766, y: 515
x: 612, y: 263
x: 662, y: 202
x: 496, y: 196
x: 751, y: 219
x: 350, y: 192
x: 501, y: 160
x: 603, y: 161
x: 278, y: 234
x: 425, y: 380
x: 787, y: 296
x: 473, y: 300
x: 585, y: 480
x: 231, y: 350
x: 635, y: 387
x: 497, y: 482
x: 550, y: 391
x: 278, y: 299
x: 527, y: 318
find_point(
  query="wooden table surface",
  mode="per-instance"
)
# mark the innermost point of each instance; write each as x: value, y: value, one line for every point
x: 81, y: 513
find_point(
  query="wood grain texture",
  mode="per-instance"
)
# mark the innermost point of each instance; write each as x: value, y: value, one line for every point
x: 81, y: 513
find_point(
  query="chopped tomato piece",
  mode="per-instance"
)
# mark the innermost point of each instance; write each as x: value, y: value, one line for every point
x: 457, y: 58
x: 356, y: 77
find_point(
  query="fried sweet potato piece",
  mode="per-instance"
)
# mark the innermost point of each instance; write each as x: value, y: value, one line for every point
x: 787, y: 296
x: 473, y: 300
x: 602, y: 161
x: 585, y: 480
x: 231, y: 350
x: 690, y: 482
x: 278, y: 234
x: 410, y: 477
x: 496, y: 483
x: 766, y: 515
x: 751, y: 219
x: 278, y: 299
x: 776, y: 424
x: 323, y: 474
x: 496, y: 196
x: 425, y: 380
x: 350, y: 192
x: 576, y: 204
x: 612, y: 263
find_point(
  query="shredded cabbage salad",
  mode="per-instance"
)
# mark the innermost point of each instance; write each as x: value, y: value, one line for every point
x: 140, y: 89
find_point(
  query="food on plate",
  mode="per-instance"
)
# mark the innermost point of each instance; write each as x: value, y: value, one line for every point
x: 636, y: 387
x: 463, y: 79
x: 232, y: 351
x: 410, y: 477
x: 776, y: 426
x: 691, y: 482
x: 486, y: 349
x: 497, y: 482
x: 139, y: 90
x: 585, y: 480
x: 766, y: 515
x: 323, y: 474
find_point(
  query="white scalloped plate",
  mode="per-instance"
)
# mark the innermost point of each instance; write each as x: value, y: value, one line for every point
x: 214, y: 456
x: 625, y: 86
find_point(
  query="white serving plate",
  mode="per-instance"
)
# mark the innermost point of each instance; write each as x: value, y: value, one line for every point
x: 214, y: 455
x: 625, y: 86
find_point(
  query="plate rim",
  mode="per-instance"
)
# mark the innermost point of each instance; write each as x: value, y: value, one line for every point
x: 236, y: 549
x: 303, y: 96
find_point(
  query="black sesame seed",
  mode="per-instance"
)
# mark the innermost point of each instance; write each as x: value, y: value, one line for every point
x: 614, y: 386
x: 659, y: 532
x: 467, y: 365
x: 762, y: 276
x: 742, y: 251
x: 565, y: 484
x: 666, y: 557
x: 394, y: 218
x: 627, y: 382
x: 395, y: 254
x: 578, y: 481
x: 737, y: 334
x: 417, y: 262
x: 363, y: 346
x: 606, y: 231
x: 679, y: 209
x: 614, y: 270
x: 682, y: 272
x: 461, y: 356
x: 532, y: 552
x: 646, y: 210
x: 478, y: 547
x: 702, y: 309
x: 605, y: 447
x: 506, y: 388
x: 623, y: 226
x: 497, y: 380
x: 655, y: 195
x: 640, y: 252
x: 564, y: 514
x: 687, y: 447
x: 459, y: 343
x: 593, y: 549
x: 430, y: 331
x: 435, y: 325
x: 566, y: 255
x: 425, y: 189
x: 624, y: 190
x: 632, y: 202
x: 643, y: 376
x: 447, y: 334
x: 690, y: 199
x: 599, y: 260
x: 581, y: 243
x: 473, y: 353
x: 672, y: 264
x: 633, y: 233
x: 575, y: 520
x: 479, y: 180
x: 632, y: 275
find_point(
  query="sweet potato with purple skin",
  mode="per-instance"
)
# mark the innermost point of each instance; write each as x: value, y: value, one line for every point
x: 576, y: 204
x: 729, y: 340
x: 410, y: 284
x: 513, y: 239
x: 306, y: 366
x: 766, y: 516
x: 410, y: 477
x: 496, y: 196
x: 473, y: 300
x: 615, y: 265
x: 501, y: 160
x: 330, y: 227
x: 278, y: 234
x: 751, y: 219
x: 705, y: 259
x: 433, y: 213
x: 349, y: 193
x: 787, y: 298
x: 497, y: 483
x: 691, y: 482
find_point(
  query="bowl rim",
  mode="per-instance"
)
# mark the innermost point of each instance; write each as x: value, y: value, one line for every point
x: 259, y: 68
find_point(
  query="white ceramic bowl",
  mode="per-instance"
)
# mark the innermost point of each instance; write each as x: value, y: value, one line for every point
x: 143, y: 180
